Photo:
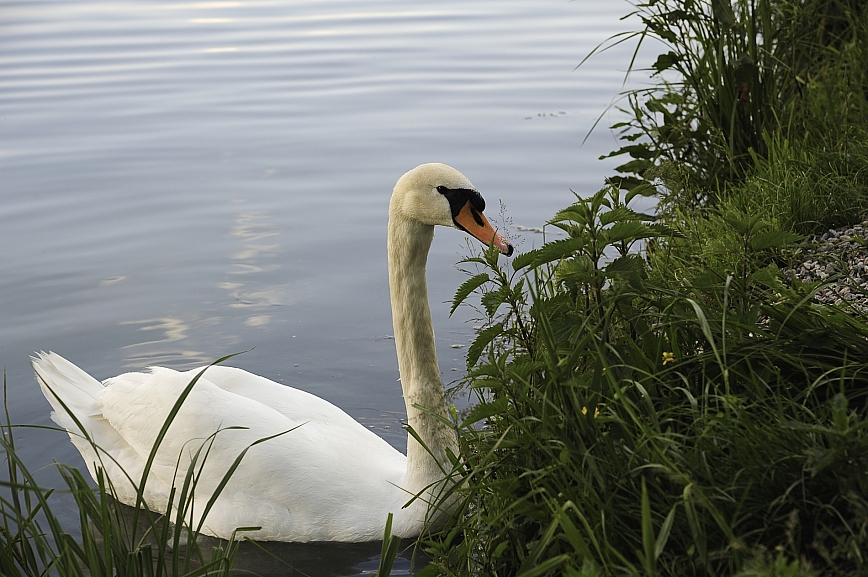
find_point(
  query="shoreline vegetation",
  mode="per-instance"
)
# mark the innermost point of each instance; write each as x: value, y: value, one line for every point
x: 664, y: 394
x: 656, y: 395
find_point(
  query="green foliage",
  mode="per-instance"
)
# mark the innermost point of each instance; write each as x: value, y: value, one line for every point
x: 734, y: 72
x: 806, y: 187
x: 390, y: 550
x: 682, y: 411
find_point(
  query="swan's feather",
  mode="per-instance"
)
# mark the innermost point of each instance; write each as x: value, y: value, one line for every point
x: 281, y: 484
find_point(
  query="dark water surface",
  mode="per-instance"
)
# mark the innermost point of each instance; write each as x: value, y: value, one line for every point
x: 183, y: 181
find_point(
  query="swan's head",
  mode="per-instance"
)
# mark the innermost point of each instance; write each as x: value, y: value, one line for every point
x: 437, y: 194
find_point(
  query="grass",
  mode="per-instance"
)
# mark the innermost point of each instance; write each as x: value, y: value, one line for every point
x: 637, y: 423
x: 654, y: 396
x: 107, y: 540
x: 731, y: 74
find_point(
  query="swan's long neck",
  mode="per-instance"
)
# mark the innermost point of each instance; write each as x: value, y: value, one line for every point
x: 409, y: 242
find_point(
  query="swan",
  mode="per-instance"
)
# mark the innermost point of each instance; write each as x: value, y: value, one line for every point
x: 328, y: 478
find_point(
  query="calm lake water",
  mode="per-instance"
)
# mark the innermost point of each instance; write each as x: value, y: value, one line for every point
x: 183, y: 181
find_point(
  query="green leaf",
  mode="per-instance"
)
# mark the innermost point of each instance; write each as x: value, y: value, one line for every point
x: 493, y: 299
x: 481, y: 341
x: 661, y: 230
x: 665, y: 530
x: 579, y: 269
x: 625, y: 182
x: 473, y: 259
x: 839, y: 413
x: 644, y: 189
x: 390, y: 549
x: 491, y: 255
x: 522, y: 260
x: 648, y: 541
x: 665, y: 61
x: 742, y: 223
x: 772, y: 239
x: 642, y: 150
x: 466, y: 288
x: 631, y: 268
x: 622, y: 213
x: 549, y: 252
x: 578, y: 213
x: 637, y: 166
x: 628, y: 230
x: 722, y: 10
x: 485, y: 410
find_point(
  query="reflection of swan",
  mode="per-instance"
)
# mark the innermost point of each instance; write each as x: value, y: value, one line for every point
x: 330, y: 478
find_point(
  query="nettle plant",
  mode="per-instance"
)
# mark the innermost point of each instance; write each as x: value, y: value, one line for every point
x: 616, y: 366
x: 579, y: 282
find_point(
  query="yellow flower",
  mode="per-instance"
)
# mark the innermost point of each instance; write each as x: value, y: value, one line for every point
x: 668, y: 358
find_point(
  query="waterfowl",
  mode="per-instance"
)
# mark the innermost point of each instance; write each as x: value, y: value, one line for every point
x: 328, y: 478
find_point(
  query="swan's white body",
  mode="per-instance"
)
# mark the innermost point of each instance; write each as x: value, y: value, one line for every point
x: 328, y: 478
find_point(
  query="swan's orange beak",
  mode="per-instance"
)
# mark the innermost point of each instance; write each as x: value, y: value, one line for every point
x: 471, y: 220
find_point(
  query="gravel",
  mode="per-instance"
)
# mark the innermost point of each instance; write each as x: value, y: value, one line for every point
x: 838, y: 258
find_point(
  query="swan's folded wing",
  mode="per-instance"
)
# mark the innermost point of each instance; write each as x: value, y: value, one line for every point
x: 296, y: 484
x: 138, y: 405
x: 299, y: 407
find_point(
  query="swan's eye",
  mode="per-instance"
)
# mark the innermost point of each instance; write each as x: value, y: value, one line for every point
x: 442, y: 189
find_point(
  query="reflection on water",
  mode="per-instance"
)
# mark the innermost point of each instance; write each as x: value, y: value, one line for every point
x: 259, y: 298
x: 172, y: 329
x: 112, y: 280
x: 166, y: 349
x: 254, y: 257
x: 249, y: 228
x: 320, y: 559
x: 258, y: 320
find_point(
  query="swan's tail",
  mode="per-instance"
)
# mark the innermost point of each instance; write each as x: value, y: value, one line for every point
x: 76, y: 398
x: 70, y: 390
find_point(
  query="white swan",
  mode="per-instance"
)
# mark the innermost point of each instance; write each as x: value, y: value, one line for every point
x: 329, y: 478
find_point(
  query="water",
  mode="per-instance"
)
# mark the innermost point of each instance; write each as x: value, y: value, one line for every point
x: 183, y: 181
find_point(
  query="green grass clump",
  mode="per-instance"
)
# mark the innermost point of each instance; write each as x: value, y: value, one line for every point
x: 732, y: 73
x: 804, y: 188
x: 799, y: 187
x: 660, y: 414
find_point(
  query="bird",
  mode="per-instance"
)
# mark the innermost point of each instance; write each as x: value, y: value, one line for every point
x: 310, y: 472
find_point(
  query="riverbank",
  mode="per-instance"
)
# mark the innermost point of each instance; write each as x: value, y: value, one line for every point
x: 696, y: 402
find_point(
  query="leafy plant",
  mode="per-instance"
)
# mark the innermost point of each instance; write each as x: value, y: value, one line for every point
x: 732, y: 73
x: 656, y: 413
